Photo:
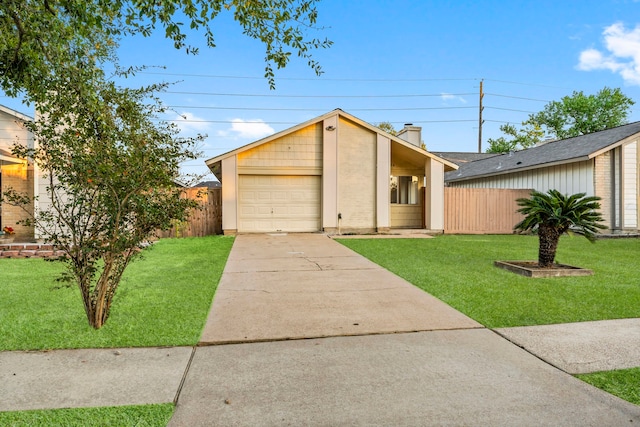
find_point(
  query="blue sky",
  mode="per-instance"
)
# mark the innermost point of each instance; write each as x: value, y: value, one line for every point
x: 417, y: 62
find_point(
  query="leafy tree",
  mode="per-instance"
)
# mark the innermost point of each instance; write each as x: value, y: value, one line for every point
x: 526, y: 137
x: 574, y: 115
x: 36, y: 37
x: 553, y: 214
x: 580, y: 114
x: 111, y: 166
x: 110, y: 169
x: 387, y: 127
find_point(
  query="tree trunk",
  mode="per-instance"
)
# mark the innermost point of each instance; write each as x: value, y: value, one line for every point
x: 548, y: 237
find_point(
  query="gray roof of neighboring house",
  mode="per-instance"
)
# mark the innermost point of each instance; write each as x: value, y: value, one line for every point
x: 208, y: 184
x: 462, y: 157
x: 575, y: 149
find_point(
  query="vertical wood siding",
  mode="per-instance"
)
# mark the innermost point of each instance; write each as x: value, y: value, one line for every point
x: 481, y: 210
x: 202, y: 222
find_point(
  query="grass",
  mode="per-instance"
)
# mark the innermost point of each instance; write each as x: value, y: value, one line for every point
x: 141, y: 416
x: 622, y: 383
x: 163, y: 300
x: 459, y: 270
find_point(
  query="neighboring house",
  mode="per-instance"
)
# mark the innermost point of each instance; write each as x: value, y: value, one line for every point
x: 334, y: 173
x: 14, y: 172
x: 208, y: 184
x: 604, y: 164
x: 463, y: 157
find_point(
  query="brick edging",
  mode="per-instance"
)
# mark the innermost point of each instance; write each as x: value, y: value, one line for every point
x: 29, y: 250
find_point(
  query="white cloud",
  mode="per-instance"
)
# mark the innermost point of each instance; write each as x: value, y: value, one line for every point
x: 190, y: 124
x: 251, y: 129
x: 623, y: 53
x: 450, y: 97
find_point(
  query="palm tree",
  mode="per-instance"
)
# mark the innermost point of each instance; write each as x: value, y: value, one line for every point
x: 554, y: 214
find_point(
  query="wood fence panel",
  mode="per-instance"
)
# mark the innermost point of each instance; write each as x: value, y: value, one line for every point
x: 205, y: 221
x: 481, y: 210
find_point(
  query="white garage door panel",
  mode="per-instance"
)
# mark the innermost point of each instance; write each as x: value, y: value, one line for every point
x: 278, y: 203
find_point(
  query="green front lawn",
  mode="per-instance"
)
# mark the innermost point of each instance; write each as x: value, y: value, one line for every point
x: 459, y: 270
x: 163, y: 300
x: 624, y: 383
x: 142, y: 416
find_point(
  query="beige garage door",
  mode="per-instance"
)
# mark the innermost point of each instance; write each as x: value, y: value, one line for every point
x: 270, y: 203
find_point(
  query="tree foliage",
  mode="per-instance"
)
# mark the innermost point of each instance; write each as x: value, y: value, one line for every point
x: 553, y: 214
x: 36, y: 37
x: 580, y: 114
x: 574, y: 115
x: 111, y: 172
x: 526, y: 137
x: 387, y: 127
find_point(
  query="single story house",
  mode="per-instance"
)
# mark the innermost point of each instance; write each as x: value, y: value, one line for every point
x: 14, y: 172
x: 334, y: 173
x: 604, y: 164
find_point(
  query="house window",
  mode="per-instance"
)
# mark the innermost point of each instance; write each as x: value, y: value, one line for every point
x: 404, y: 190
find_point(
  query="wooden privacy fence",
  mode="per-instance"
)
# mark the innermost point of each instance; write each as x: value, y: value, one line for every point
x: 204, y: 221
x: 481, y: 210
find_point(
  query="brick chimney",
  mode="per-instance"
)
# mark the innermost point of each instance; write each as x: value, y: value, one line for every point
x: 412, y: 134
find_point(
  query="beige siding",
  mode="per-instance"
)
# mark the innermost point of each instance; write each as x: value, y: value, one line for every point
x: 382, y: 183
x: 481, y: 210
x: 330, y: 175
x: 357, y: 172
x: 16, y: 176
x: 603, y: 177
x: 630, y: 185
x: 406, y: 216
x: 434, y: 209
x: 13, y: 131
x: 301, y: 150
x: 229, y: 195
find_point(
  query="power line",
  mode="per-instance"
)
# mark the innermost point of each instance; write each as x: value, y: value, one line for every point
x: 261, y: 122
x: 307, y: 78
x: 517, y: 97
x: 318, y: 109
x: 511, y: 109
x: 317, y: 96
x: 526, y: 84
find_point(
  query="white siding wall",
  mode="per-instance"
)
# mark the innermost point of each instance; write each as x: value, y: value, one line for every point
x: 569, y: 179
x: 630, y: 185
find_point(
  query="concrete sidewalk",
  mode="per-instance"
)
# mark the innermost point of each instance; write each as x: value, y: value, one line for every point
x: 303, y: 331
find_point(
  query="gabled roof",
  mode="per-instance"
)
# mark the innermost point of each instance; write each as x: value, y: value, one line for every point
x: 576, y: 149
x: 213, y: 163
x: 15, y: 113
x: 462, y: 157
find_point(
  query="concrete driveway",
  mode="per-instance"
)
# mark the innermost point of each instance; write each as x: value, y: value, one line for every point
x: 306, y: 332
x: 278, y: 287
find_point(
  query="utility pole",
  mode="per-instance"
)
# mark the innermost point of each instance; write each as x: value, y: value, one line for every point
x: 480, y: 121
